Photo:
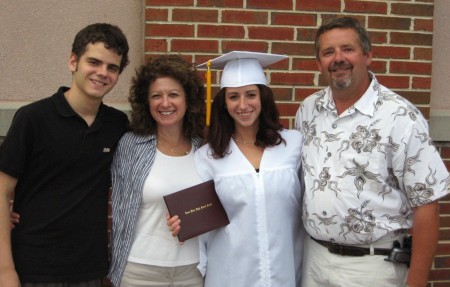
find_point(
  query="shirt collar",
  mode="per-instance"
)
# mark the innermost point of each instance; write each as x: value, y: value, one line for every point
x: 145, y: 138
x: 64, y: 109
x: 62, y: 105
x: 365, y: 105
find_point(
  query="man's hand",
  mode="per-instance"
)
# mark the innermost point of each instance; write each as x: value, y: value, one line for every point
x: 8, y: 274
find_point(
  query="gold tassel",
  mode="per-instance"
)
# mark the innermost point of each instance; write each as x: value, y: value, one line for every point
x: 208, y: 93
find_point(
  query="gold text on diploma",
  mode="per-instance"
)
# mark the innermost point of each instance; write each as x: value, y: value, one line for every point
x: 198, y: 208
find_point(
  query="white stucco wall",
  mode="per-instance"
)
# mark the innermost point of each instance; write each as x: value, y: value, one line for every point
x: 36, y: 41
x: 440, y: 75
x: 440, y: 83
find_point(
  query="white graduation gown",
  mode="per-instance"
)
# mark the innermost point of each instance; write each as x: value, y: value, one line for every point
x: 262, y: 245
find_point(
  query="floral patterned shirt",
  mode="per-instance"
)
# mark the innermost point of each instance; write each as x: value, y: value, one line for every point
x: 365, y: 169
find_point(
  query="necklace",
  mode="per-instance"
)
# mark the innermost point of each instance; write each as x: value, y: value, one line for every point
x: 174, y: 150
x: 243, y: 141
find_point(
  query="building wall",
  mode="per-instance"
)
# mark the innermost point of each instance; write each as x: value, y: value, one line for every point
x: 410, y: 44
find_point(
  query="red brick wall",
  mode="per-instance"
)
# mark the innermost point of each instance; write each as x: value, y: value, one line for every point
x: 401, y: 33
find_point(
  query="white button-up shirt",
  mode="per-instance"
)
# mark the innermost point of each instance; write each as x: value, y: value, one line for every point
x: 366, y: 168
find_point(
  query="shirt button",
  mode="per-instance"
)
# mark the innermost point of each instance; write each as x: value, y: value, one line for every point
x: 329, y: 154
x: 334, y: 126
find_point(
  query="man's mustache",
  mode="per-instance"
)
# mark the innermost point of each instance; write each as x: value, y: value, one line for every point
x: 341, y: 65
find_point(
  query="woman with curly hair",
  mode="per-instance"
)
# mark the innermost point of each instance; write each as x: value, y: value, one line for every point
x: 167, y: 123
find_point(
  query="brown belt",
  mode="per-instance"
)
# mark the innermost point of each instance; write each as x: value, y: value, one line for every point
x: 348, y: 250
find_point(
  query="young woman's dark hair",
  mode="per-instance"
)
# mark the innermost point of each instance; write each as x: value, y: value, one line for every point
x: 111, y: 36
x: 222, y: 124
x: 175, y: 67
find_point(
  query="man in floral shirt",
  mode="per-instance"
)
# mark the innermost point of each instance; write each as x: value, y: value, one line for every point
x: 370, y: 172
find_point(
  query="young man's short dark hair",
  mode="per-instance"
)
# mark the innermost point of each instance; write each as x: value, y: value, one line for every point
x: 112, y: 36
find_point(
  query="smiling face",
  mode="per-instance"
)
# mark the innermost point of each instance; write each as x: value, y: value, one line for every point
x: 244, y: 106
x: 96, y: 72
x: 167, y: 100
x: 342, y: 60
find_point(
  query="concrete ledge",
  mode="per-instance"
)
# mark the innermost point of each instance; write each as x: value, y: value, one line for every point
x: 439, y: 123
x: 7, y: 111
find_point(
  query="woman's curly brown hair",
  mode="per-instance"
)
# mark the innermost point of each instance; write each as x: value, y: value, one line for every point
x: 175, y: 67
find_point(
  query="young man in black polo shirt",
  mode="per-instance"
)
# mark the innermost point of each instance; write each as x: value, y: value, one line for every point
x: 55, y: 160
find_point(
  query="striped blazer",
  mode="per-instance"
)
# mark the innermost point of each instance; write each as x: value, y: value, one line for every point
x: 131, y: 165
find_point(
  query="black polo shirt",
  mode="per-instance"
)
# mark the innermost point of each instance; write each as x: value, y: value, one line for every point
x: 62, y: 166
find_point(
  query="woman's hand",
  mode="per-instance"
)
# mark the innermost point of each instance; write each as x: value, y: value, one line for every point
x: 174, y: 224
x: 14, y: 219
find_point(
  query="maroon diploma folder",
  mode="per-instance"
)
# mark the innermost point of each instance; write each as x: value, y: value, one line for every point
x: 198, y: 208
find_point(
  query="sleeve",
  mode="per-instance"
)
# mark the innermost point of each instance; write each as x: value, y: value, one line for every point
x: 118, y: 171
x: 203, y: 262
x: 118, y: 234
x: 204, y: 170
x: 205, y: 173
x: 17, y: 145
x: 423, y: 173
x: 298, y: 144
x: 298, y: 122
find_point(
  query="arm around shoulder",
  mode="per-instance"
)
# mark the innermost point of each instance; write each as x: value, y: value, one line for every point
x: 8, y: 274
x: 425, y: 241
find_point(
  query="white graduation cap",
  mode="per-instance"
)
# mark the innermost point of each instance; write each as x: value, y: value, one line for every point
x: 242, y: 68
